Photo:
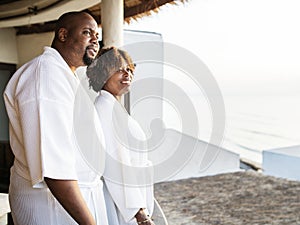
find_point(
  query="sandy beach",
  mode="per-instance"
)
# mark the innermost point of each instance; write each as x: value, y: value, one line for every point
x: 246, y: 198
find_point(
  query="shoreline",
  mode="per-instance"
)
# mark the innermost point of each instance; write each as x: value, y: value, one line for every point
x: 245, y: 197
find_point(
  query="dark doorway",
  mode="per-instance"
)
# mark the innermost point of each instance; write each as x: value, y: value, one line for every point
x: 6, y: 156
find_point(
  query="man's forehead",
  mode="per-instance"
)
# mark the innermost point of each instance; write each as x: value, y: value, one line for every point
x: 87, y: 24
x: 84, y: 18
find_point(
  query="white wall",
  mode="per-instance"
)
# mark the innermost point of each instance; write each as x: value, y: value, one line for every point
x: 282, y: 162
x: 179, y: 156
x: 31, y: 45
x: 8, y: 53
x: 146, y: 95
x: 22, y: 48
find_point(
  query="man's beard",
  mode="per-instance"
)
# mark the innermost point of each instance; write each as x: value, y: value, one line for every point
x: 86, y: 59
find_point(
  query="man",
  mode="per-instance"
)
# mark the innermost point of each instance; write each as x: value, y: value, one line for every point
x: 51, y: 182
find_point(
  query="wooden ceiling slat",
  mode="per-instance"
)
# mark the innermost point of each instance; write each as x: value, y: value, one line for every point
x: 137, y: 9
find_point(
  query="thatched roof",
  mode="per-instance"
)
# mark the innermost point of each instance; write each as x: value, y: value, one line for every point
x: 134, y: 9
x: 238, y: 198
x: 11, y: 9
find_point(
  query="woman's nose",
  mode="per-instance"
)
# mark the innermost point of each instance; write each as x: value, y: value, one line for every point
x: 127, y: 76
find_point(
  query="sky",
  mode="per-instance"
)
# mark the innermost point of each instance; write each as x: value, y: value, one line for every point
x: 252, y: 49
x: 250, y: 46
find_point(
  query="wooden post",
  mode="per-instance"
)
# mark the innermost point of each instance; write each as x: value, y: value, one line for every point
x: 112, y: 17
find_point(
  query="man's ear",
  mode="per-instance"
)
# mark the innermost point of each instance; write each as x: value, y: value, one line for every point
x: 62, y: 34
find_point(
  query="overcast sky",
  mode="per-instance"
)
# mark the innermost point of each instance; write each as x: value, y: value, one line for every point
x: 252, y: 43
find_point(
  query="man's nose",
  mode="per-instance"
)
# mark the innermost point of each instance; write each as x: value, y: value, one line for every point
x: 94, y: 39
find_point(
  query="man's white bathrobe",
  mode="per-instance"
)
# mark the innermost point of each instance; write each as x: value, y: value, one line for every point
x: 128, y: 174
x: 49, y: 123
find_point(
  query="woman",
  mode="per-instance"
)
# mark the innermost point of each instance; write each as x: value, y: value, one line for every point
x: 127, y: 176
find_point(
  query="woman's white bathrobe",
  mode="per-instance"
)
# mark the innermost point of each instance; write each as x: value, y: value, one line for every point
x: 128, y: 174
x: 52, y: 134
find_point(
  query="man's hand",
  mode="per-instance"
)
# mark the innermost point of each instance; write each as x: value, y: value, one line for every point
x: 68, y: 194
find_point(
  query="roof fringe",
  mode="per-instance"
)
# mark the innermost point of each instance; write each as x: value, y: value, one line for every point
x: 150, y: 12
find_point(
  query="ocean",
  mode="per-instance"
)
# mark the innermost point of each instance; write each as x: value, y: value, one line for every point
x: 261, y: 112
x: 252, y: 123
x: 259, y: 123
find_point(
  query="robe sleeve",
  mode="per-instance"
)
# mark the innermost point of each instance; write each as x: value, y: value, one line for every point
x: 47, y: 123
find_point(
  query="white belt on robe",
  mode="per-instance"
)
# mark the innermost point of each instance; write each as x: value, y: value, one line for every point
x: 21, y: 170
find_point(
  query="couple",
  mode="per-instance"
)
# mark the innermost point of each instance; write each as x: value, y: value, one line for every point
x: 51, y: 183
